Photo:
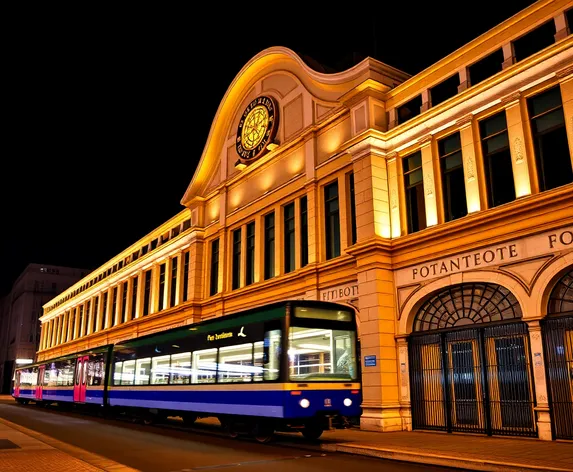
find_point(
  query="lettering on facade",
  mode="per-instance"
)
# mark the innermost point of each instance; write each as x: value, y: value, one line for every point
x: 469, y: 261
x: 217, y: 336
x: 339, y: 293
x: 531, y: 246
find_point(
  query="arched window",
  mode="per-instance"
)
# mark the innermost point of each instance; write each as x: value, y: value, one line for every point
x: 467, y: 304
x: 561, y: 299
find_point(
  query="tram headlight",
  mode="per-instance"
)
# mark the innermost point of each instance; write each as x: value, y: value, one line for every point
x: 304, y: 403
x: 347, y: 402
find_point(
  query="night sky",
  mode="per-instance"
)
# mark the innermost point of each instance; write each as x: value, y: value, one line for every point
x: 104, y: 131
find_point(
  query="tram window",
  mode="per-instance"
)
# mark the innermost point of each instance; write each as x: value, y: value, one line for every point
x: 160, y: 370
x: 321, y: 354
x: 258, y: 361
x: 117, y: 369
x: 95, y: 371
x: 180, y: 368
x: 48, y: 375
x: 322, y: 314
x: 128, y: 372
x: 204, y: 366
x: 235, y: 363
x: 143, y: 371
x: 271, y: 357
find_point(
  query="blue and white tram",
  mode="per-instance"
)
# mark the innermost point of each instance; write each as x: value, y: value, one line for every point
x: 286, y: 366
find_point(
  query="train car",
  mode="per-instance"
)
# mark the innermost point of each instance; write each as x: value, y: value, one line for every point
x: 281, y: 367
x: 73, y: 379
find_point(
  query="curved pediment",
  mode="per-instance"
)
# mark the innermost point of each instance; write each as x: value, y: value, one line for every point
x: 303, y: 96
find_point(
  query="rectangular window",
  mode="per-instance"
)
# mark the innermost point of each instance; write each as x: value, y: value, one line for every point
x: 128, y: 374
x: 250, y: 262
x: 332, y: 220
x: 161, y: 287
x: 204, y: 366
x: 535, y: 40
x: 142, y: 371
x: 550, y: 139
x: 288, y: 231
x: 303, y: 232
x: 186, y: 276
x: 235, y: 363
x: 123, y: 302
x: 236, y: 269
x: 486, y: 67
x: 269, y: 246
x: 172, y: 296
x: 134, y: 297
x: 180, y: 368
x: 214, y: 273
x: 352, y: 204
x: 453, y: 182
x: 497, y: 160
x: 160, y: 370
x: 414, y: 187
x: 146, y: 291
x: 114, y: 306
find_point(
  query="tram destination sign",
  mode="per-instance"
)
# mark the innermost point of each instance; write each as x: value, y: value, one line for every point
x: 495, y: 255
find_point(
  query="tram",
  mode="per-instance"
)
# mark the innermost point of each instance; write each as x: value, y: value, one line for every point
x: 286, y: 366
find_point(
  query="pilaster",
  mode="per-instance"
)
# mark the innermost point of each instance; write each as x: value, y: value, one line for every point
x: 314, y: 226
x: 566, y: 85
x: 468, y: 144
x: 429, y: 181
x: 542, y: 413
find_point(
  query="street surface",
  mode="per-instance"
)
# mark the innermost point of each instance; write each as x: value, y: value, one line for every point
x: 173, y: 448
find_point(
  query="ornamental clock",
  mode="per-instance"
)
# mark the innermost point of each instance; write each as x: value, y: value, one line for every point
x: 257, y: 128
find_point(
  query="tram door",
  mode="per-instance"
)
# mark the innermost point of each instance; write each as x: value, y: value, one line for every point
x: 40, y: 383
x: 17, y: 384
x: 80, y: 379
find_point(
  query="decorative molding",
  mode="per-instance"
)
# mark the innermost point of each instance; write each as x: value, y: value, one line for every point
x: 426, y: 139
x: 512, y: 97
x: 470, y: 168
x: 429, y: 185
x: 393, y: 199
x: 564, y: 72
x: 465, y: 121
x: 518, y: 150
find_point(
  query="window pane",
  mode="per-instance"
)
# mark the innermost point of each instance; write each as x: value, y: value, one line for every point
x: 236, y: 363
x: 181, y: 368
x: 453, y: 161
x: 415, y: 177
x: 322, y: 314
x: 204, y: 366
x: 496, y: 143
x: 413, y: 162
x: 117, y: 373
x: 493, y: 125
x: 258, y: 361
x: 548, y: 121
x: 128, y: 372
x: 160, y: 370
x: 271, y: 361
x: 544, y: 101
x: 321, y: 354
x: 142, y: 371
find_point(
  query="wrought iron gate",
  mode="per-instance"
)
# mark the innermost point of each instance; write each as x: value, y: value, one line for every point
x: 558, y: 342
x: 473, y: 380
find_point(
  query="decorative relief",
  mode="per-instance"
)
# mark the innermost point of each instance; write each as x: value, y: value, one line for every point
x: 470, y: 168
x: 542, y: 398
x: 512, y: 97
x: 403, y: 351
x: 425, y: 139
x: 564, y: 72
x: 518, y: 150
x: 464, y: 121
x: 429, y: 185
x: 393, y: 199
x: 535, y: 336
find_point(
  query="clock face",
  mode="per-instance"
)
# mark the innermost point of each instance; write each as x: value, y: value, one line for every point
x: 256, y: 129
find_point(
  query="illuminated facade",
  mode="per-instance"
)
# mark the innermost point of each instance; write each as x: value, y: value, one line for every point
x: 440, y: 205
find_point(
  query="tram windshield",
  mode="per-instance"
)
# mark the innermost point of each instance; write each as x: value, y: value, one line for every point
x: 322, y: 353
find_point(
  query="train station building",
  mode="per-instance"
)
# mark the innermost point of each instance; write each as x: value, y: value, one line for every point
x: 440, y: 205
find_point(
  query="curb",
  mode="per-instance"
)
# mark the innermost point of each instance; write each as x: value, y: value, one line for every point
x: 95, y: 460
x: 440, y: 459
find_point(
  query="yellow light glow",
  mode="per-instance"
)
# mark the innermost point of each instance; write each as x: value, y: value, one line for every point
x: 522, y: 187
x: 296, y: 163
x: 431, y: 212
x: 236, y: 197
x: 214, y: 210
x: 267, y: 180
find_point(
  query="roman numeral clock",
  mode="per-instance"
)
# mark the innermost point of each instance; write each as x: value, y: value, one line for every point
x: 257, y: 129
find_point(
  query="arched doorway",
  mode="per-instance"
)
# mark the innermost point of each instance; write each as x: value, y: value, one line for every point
x: 470, y: 363
x: 558, y: 343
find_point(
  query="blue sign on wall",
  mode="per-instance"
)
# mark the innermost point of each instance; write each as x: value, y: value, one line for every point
x: 369, y: 361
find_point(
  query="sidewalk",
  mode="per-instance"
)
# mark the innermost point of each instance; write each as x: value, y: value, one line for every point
x: 455, y: 450
x: 22, y: 449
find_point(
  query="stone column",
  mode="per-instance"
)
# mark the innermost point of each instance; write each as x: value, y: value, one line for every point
x: 467, y: 140
x: 543, y: 416
x: 519, y: 161
x: 91, y: 316
x: 508, y: 55
x: 393, y: 188
x: 109, y: 309
x: 426, y: 101
x: 566, y: 84
x: 76, y: 332
x: 154, y: 295
x: 314, y: 226
x: 561, y: 28
x: 297, y: 227
x: 429, y: 181
x: 140, y: 290
x: 179, y: 282
x: 70, y: 334
x: 279, y: 235
x: 83, y: 317
x: 99, y: 312
x: 464, y: 79
x: 343, y: 198
x: 167, y: 285
x: 404, y: 382
x: 128, y: 299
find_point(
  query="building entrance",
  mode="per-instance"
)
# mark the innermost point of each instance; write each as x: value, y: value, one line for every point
x: 470, y: 363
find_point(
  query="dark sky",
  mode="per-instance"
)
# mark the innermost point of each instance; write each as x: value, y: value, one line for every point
x: 109, y: 110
